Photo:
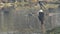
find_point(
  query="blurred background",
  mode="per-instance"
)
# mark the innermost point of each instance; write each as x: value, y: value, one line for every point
x: 20, y: 17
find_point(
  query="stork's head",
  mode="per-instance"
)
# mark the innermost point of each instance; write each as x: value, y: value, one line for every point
x: 40, y: 0
x: 41, y: 10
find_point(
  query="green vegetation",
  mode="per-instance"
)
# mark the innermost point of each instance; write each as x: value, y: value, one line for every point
x: 54, y: 31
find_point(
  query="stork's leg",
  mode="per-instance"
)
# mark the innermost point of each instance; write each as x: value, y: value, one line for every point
x: 43, y: 27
